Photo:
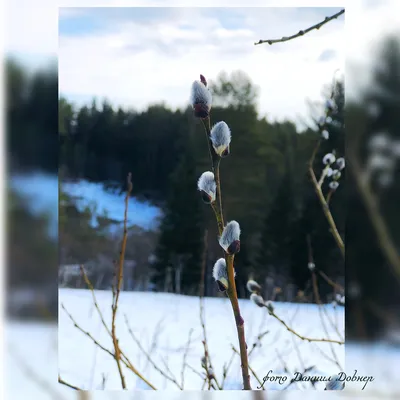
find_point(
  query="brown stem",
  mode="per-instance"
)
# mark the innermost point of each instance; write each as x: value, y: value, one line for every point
x: 301, y: 336
x: 251, y: 370
x: 330, y: 281
x: 202, y: 322
x: 302, y: 32
x: 325, y: 209
x: 232, y: 294
x: 384, y: 238
x: 118, y: 285
x: 60, y: 380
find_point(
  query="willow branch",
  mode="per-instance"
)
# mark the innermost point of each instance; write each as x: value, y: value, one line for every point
x: 118, y: 284
x: 325, y: 207
x: 385, y: 240
x: 301, y: 336
x: 60, y: 380
x: 330, y: 281
x: 149, y: 359
x: 251, y: 369
x: 302, y: 32
x: 202, y: 322
x: 232, y: 294
x: 226, y: 369
x: 184, y: 359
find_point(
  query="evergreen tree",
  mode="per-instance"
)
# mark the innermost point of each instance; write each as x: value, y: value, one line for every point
x: 181, y: 233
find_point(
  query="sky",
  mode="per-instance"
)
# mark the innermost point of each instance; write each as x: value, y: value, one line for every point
x: 139, y: 56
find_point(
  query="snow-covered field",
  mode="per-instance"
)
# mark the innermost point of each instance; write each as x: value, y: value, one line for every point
x: 32, y: 362
x: 162, y: 323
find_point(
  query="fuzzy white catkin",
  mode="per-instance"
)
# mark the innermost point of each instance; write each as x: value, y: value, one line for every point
x: 220, y: 272
x: 311, y: 266
x: 253, y: 286
x: 200, y: 94
x: 325, y: 134
x: 206, y: 183
x: 329, y: 172
x: 328, y: 159
x: 230, y: 234
x: 333, y: 185
x: 340, y: 162
x: 257, y: 299
x: 269, y: 305
x: 220, y: 137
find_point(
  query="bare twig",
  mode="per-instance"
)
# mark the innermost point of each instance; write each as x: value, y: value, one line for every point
x: 232, y: 294
x: 250, y: 369
x: 321, y: 309
x: 119, y: 282
x: 184, y: 359
x: 208, y: 362
x: 385, y: 240
x: 149, y: 359
x: 302, y: 32
x: 226, y: 369
x: 60, y: 380
x: 330, y: 281
x: 325, y: 207
x: 86, y: 332
x: 301, y: 336
x: 231, y: 291
x: 257, y: 343
x: 125, y: 359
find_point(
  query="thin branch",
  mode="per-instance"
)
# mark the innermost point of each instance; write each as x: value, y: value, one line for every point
x: 232, y: 294
x: 195, y: 371
x: 385, y: 240
x: 125, y: 359
x: 231, y: 291
x: 297, y: 334
x: 325, y: 207
x: 250, y: 369
x: 226, y: 369
x: 184, y: 359
x: 202, y: 321
x: 320, y: 309
x: 257, y: 343
x: 330, y: 281
x: 119, y: 282
x: 149, y: 359
x: 302, y: 32
x: 86, y: 332
x: 60, y: 380
x: 96, y: 304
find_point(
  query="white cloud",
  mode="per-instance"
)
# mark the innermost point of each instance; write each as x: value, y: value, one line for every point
x: 31, y: 33
x: 137, y: 64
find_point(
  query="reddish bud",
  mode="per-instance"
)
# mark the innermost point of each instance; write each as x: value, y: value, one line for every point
x: 203, y: 80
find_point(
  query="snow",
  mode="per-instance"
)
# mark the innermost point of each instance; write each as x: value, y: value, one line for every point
x: 162, y: 322
x: 42, y: 191
x: 32, y: 362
